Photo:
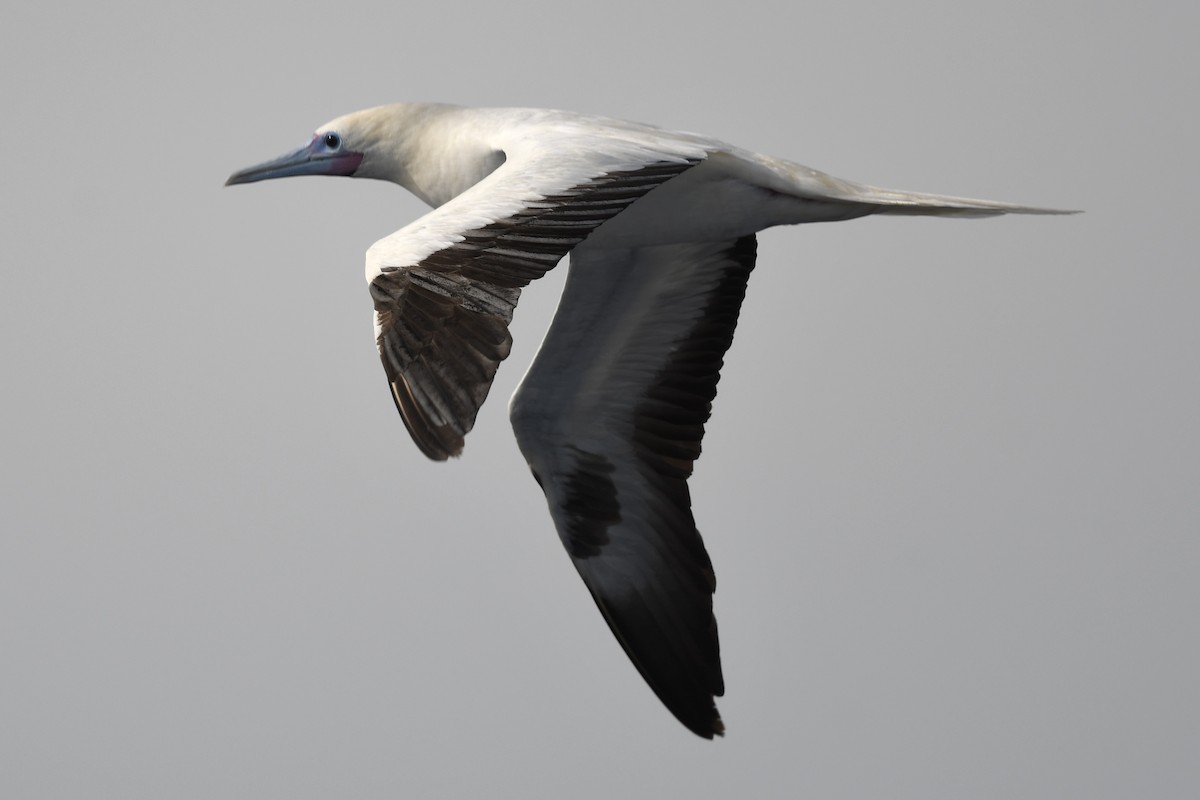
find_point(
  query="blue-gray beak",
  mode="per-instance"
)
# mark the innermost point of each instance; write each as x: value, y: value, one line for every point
x: 315, y: 158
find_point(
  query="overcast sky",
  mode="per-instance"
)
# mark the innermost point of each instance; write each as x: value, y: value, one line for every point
x: 949, y: 486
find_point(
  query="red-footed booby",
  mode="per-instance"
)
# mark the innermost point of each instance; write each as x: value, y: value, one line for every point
x: 661, y: 231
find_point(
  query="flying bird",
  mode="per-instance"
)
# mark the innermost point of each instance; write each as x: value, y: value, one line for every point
x: 661, y: 230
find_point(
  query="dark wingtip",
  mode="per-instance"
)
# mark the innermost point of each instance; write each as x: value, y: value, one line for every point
x: 708, y: 728
x: 437, y: 443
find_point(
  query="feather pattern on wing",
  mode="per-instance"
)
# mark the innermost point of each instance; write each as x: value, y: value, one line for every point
x: 610, y: 418
x: 443, y: 323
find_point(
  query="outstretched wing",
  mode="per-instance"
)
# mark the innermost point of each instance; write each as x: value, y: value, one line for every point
x: 610, y: 419
x: 446, y: 286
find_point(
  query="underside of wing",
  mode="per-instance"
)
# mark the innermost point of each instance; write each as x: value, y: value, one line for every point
x: 611, y: 418
x: 442, y: 322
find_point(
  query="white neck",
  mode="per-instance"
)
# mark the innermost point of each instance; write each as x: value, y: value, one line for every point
x: 434, y: 151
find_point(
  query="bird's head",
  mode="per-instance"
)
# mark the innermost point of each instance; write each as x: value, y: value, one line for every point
x: 380, y: 143
x: 348, y: 145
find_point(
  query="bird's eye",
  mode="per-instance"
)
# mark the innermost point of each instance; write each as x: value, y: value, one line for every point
x: 332, y: 140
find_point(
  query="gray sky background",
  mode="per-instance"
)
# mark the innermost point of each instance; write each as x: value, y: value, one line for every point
x: 950, y: 484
